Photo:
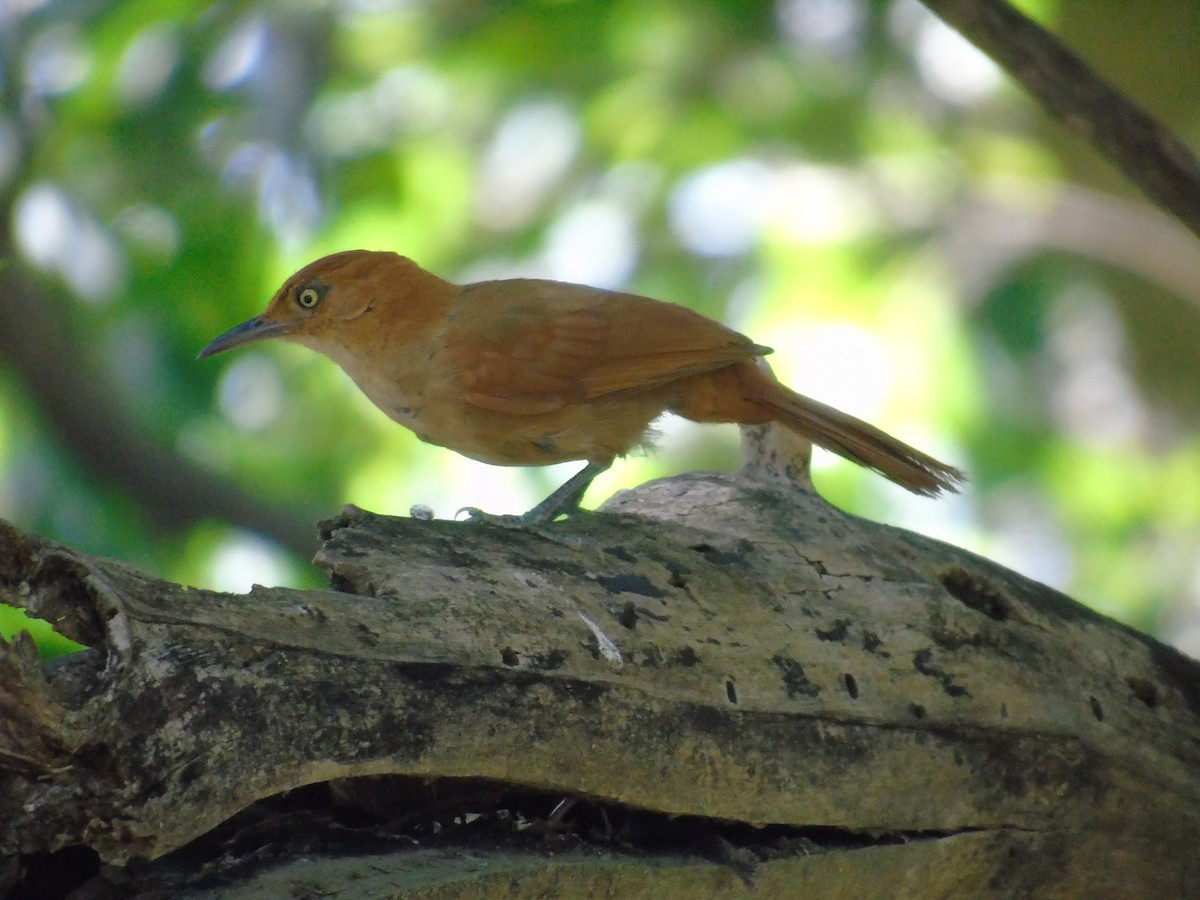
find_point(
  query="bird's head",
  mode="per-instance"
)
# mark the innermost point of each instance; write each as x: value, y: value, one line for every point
x: 323, y: 298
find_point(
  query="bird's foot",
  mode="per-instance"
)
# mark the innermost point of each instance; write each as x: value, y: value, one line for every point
x: 475, y: 514
x: 529, y: 522
x: 540, y: 520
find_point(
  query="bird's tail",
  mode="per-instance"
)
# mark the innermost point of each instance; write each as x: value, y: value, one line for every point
x: 759, y: 398
x: 862, y: 442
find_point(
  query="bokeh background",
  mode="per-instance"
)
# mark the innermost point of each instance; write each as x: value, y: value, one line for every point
x: 847, y: 181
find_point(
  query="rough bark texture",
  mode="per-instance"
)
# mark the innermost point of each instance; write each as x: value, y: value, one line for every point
x: 750, y: 689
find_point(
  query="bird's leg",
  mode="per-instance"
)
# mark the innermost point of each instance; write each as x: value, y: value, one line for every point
x: 567, y: 497
x: 564, y: 501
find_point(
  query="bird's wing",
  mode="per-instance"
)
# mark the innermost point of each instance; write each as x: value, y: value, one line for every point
x: 525, y: 347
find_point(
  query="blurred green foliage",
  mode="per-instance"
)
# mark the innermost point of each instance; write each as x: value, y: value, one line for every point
x: 844, y: 180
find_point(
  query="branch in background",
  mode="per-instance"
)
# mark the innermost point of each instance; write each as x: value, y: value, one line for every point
x: 1147, y: 152
x: 95, y: 427
x: 985, y: 239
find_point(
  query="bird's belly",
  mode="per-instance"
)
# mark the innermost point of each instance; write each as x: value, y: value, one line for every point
x: 432, y: 409
x: 582, y: 431
x: 594, y: 430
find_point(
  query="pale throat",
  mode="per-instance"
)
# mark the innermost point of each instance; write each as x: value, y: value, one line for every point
x: 398, y: 390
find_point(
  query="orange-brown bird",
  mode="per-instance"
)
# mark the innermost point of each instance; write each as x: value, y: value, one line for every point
x: 525, y: 372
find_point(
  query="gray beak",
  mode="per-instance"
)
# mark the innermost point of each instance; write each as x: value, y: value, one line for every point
x: 256, y: 329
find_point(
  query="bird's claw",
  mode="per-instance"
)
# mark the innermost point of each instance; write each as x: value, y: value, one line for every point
x: 531, y: 524
x: 475, y: 514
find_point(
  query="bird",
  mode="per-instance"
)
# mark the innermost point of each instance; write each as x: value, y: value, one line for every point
x: 530, y: 372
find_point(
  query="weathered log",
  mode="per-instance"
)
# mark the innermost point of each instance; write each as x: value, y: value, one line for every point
x: 738, y: 685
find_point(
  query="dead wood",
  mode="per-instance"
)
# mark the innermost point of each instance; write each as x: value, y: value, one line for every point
x: 731, y: 684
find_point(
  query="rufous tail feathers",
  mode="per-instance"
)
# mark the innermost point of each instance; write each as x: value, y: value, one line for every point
x: 858, y: 441
x: 746, y: 394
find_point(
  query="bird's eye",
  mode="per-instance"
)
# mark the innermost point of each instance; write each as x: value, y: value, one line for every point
x: 309, y: 297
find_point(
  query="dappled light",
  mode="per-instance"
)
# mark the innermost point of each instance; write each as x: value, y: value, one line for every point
x: 243, y: 560
x: 57, y: 60
x: 1093, y: 396
x: 595, y: 242
x: 522, y: 162
x: 719, y: 211
x: 250, y: 393
x: 146, y: 66
x: 951, y: 67
x: 404, y: 100
x: 852, y: 184
x: 58, y: 236
x: 829, y: 27
x: 242, y: 50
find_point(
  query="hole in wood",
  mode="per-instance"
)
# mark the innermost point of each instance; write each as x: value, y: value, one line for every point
x: 1144, y: 689
x: 971, y: 590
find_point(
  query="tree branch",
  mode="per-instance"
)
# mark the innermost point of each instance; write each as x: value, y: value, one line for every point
x: 1144, y: 149
x: 713, y: 656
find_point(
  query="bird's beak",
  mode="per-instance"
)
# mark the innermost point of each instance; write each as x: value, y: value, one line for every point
x: 257, y: 329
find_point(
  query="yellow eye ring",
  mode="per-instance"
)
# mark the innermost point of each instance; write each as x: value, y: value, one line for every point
x: 308, y: 298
